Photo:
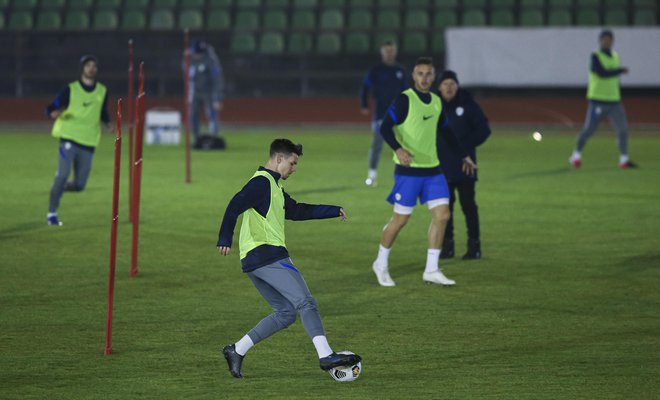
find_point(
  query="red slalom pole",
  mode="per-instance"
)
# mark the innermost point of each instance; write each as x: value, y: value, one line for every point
x: 131, y: 116
x: 186, y: 94
x: 113, y: 234
x: 137, y: 171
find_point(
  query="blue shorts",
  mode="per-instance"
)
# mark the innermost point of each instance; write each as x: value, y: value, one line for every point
x: 407, y: 189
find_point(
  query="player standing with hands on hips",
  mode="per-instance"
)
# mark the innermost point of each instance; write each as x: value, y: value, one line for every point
x: 411, y: 127
x: 264, y: 257
x: 78, y: 111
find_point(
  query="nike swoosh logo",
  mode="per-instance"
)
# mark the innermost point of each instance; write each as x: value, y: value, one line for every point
x: 424, y: 117
x: 87, y: 103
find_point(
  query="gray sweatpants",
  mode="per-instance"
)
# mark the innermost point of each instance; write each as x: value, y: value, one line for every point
x: 617, y: 116
x: 196, y: 105
x: 284, y: 288
x: 70, y: 155
x: 376, y: 144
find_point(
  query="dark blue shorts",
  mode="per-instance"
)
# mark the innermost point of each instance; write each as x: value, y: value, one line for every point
x: 407, y: 189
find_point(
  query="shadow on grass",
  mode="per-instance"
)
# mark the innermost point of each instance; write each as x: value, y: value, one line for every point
x: 642, y: 262
x: 16, y: 230
x: 323, y: 190
x: 534, y: 174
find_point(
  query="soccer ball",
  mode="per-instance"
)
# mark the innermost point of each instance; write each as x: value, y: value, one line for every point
x: 346, y: 374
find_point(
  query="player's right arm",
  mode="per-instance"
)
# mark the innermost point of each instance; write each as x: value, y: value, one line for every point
x: 395, y: 115
x: 364, y: 94
x: 59, y: 104
x: 598, y: 69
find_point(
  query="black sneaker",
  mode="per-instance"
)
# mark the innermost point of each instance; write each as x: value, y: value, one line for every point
x: 339, y: 360
x: 447, y: 249
x: 234, y: 360
x: 474, y: 250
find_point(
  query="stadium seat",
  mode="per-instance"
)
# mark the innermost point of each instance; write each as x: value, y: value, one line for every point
x: 474, y: 18
x: 218, y: 20
x: 502, y: 18
x: 331, y: 19
x: 415, y: 43
x: 300, y: 43
x: 531, y: 18
x: 616, y: 3
x: 271, y: 43
x: 160, y: 4
x: 24, y: 5
x: 79, y: 4
x: 389, y: 3
x: 445, y: 3
x: 644, y: 17
x: 45, y: 4
x: 445, y: 18
x: 275, y: 20
x: 525, y: 4
x: 20, y: 20
x: 304, y: 3
x: 328, y: 43
x: 563, y: 4
x: 417, y: 19
x: 105, y: 20
x: 49, y: 20
x: 246, y: 20
x: 418, y: 4
x: 161, y: 20
x: 76, y: 20
x: 644, y: 3
x: 616, y: 17
x: 356, y: 43
x: 360, y: 19
x: 303, y: 20
x: 438, y: 42
x: 107, y: 4
x: 474, y: 4
x: 192, y: 4
x: 587, y: 17
x: 382, y: 37
x: 242, y: 43
x: 248, y: 3
x: 276, y: 3
x: 498, y: 4
x: 360, y: 3
x: 219, y: 4
x: 587, y: 3
x: 333, y: 3
x: 136, y: 4
x: 133, y: 20
x: 559, y: 18
x: 388, y: 19
x: 191, y: 19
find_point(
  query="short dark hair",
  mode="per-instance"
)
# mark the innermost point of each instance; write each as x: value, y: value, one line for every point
x: 424, y: 61
x: 606, y: 32
x: 285, y: 146
x: 388, y: 43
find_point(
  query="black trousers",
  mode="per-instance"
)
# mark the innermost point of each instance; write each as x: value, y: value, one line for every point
x: 466, y: 195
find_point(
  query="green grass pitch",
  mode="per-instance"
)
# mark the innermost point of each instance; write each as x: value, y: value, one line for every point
x: 565, y: 303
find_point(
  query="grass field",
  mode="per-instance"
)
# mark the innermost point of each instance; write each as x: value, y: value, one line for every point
x: 565, y: 303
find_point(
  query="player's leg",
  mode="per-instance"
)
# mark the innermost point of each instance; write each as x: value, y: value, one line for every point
x: 436, y: 194
x: 82, y: 165
x: 448, y: 241
x: 467, y: 196
x: 194, y: 117
x: 212, y: 117
x: 66, y: 154
x: 594, y: 115
x: 374, y: 153
x: 617, y: 116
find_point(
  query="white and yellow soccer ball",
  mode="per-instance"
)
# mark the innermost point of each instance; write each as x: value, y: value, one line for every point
x: 346, y: 374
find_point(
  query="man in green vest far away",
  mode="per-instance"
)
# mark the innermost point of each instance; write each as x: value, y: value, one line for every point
x: 264, y: 257
x: 78, y: 111
x: 604, y: 95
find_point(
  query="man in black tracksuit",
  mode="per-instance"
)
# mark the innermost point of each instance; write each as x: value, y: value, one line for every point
x: 470, y: 125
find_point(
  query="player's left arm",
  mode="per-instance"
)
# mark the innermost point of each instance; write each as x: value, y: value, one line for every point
x: 105, y: 115
x: 455, y: 146
x: 480, y: 127
x: 301, y: 211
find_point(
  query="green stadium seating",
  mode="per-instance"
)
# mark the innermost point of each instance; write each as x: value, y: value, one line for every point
x: 275, y: 20
x: 79, y: 4
x: 4, y: 4
x: 133, y: 20
x: 159, y: 4
x: 587, y: 17
x: 333, y: 3
x: 136, y: 4
x: 531, y: 18
x: 563, y: 4
x: 331, y: 19
x: 616, y: 3
x: 388, y: 3
x: 531, y: 3
x: 388, y: 19
x: 644, y: 3
x: 559, y: 18
x: 20, y: 20
x: 502, y: 18
x: 587, y: 3
x: 192, y: 4
x: 49, y: 20
x: 218, y: 20
x: 382, y: 37
x: 216, y: 4
x: 45, y: 4
x: 616, y: 17
x: 417, y: 19
x: 415, y: 43
x: 360, y: 3
x: 300, y: 43
x: 418, y: 4
x: 328, y: 43
x: 360, y: 19
x: 247, y: 20
x: 474, y: 17
x: 242, y: 43
x: 303, y: 20
x: 191, y: 19
x: 161, y: 20
x: 438, y: 42
x: 495, y: 4
x: 474, y: 3
x: 105, y: 20
x: 445, y: 3
x: 356, y: 43
x: 644, y: 17
x: 248, y: 3
x: 105, y: 4
x: 271, y: 43
x: 445, y: 18
x: 304, y: 3
x: 2, y: 21
x: 76, y: 20
x: 24, y: 5
x: 276, y: 3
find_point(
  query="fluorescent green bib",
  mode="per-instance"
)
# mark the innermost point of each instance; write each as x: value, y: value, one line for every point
x: 80, y: 121
x: 257, y: 230
x: 417, y: 133
x: 605, y: 89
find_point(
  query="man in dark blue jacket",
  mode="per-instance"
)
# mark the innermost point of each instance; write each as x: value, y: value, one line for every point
x: 470, y: 125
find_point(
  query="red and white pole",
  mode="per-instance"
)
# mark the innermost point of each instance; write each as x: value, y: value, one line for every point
x: 131, y: 116
x: 186, y: 94
x: 137, y: 170
x: 113, y: 234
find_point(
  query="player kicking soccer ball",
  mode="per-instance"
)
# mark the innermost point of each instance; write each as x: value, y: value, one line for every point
x: 264, y: 257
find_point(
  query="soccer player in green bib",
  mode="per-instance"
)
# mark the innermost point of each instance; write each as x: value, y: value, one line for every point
x: 604, y: 95
x: 411, y: 127
x: 265, y: 260
x: 78, y: 111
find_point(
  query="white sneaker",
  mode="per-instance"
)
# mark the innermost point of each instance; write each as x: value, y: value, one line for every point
x: 383, y: 277
x: 437, y: 277
x: 371, y: 182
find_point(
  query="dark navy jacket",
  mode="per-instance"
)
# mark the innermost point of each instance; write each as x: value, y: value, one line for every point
x: 384, y: 82
x: 256, y: 194
x: 470, y: 125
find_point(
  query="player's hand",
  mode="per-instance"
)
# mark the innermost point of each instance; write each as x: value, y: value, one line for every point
x: 625, y: 70
x: 342, y: 214
x: 469, y: 167
x: 108, y: 127
x: 405, y: 158
x: 217, y: 106
x: 55, y: 113
x: 364, y: 111
x: 224, y: 250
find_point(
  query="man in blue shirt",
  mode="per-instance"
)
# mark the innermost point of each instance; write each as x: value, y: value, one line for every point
x: 385, y: 82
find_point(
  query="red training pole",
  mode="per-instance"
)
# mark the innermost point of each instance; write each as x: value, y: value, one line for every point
x: 137, y: 177
x: 131, y: 116
x: 186, y: 94
x: 113, y: 234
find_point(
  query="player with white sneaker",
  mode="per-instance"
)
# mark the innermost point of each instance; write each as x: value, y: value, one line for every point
x: 411, y: 127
